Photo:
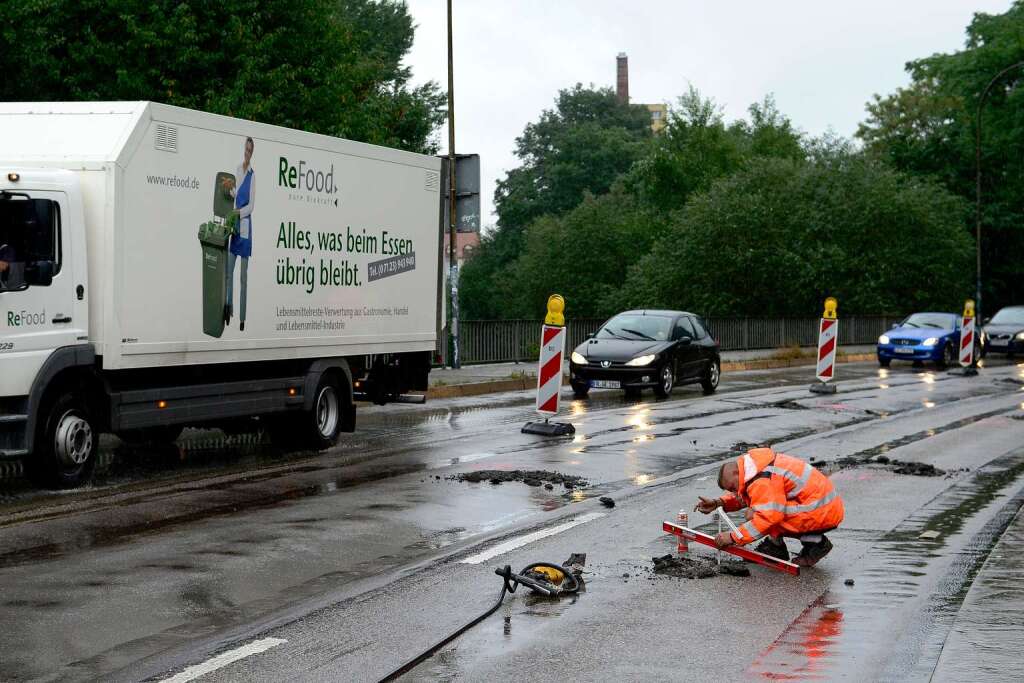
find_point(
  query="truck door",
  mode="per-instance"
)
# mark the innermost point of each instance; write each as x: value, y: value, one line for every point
x: 37, y: 287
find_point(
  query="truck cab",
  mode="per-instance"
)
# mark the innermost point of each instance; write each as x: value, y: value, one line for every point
x: 43, y: 301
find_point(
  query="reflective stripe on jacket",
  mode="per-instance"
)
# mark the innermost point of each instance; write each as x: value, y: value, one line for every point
x: 787, y: 496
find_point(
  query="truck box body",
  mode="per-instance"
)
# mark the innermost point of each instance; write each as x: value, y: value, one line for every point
x: 147, y: 174
x: 342, y: 241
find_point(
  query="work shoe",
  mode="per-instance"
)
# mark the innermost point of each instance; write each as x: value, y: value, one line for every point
x: 774, y: 548
x: 812, y: 553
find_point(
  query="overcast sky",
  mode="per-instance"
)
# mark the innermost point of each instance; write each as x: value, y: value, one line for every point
x: 821, y: 60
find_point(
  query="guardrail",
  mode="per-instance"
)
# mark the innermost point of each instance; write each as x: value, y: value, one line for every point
x: 503, y: 341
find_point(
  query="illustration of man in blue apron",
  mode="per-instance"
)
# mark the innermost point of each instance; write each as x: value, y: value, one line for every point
x: 244, y: 194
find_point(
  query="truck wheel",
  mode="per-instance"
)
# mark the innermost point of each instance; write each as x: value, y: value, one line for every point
x: 324, y: 422
x: 66, y: 448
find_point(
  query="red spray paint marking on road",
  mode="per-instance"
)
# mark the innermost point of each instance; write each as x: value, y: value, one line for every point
x: 738, y: 551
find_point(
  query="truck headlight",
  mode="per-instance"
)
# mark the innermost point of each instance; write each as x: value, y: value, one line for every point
x: 643, y: 360
x: 884, y: 339
x: 931, y: 341
x: 578, y: 358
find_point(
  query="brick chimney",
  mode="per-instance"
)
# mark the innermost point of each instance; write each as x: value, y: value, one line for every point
x: 622, y: 78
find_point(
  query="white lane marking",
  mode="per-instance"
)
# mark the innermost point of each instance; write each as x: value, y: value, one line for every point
x: 519, y: 542
x: 223, y: 659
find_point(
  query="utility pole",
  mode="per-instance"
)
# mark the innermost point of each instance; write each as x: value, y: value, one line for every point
x: 453, y: 267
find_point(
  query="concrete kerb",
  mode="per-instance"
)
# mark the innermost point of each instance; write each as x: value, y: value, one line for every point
x: 529, y: 381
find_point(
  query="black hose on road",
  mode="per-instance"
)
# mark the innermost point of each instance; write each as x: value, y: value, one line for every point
x: 510, y: 582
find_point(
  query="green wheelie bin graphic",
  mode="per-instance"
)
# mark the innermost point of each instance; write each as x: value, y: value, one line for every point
x: 214, y: 236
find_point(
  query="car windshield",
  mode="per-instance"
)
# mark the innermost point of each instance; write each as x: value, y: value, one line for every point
x: 637, y: 327
x: 942, y: 321
x: 1009, y: 316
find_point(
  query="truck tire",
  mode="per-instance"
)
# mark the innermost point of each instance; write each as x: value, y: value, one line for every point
x: 65, y: 455
x: 324, y: 421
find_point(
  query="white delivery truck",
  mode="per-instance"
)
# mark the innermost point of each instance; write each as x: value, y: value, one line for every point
x: 162, y: 268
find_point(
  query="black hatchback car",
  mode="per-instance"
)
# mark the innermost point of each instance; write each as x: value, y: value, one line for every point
x: 639, y: 349
x: 1004, y: 333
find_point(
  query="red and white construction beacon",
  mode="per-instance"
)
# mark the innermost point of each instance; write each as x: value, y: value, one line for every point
x: 968, y: 337
x: 828, y: 340
x: 549, y: 372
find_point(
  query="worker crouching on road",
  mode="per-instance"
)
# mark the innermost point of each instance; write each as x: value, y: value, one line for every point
x: 785, y: 496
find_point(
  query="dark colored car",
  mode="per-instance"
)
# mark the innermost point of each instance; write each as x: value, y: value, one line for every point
x: 1004, y: 333
x: 922, y: 337
x: 636, y: 350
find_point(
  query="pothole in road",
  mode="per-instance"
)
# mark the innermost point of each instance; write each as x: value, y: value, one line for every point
x: 545, y: 478
x: 697, y: 567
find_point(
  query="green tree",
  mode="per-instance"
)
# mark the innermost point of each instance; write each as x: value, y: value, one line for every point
x: 578, y: 148
x: 778, y: 236
x: 928, y: 129
x: 327, y: 66
x: 697, y: 146
x: 584, y: 255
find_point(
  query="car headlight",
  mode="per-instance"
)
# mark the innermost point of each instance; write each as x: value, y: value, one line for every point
x: 643, y: 360
x: 884, y: 339
x: 578, y: 358
x: 931, y: 341
x: 1020, y: 336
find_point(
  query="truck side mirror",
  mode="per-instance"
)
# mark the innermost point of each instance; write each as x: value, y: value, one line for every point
x: 39, y: 273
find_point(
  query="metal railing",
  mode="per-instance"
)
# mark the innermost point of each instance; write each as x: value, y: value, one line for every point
x: 503, y: 341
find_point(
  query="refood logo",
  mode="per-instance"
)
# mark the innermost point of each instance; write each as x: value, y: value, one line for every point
x: 307, y: 178
x: 25, y: 318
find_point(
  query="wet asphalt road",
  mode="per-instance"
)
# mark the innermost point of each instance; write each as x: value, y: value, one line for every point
x: 364, y: 556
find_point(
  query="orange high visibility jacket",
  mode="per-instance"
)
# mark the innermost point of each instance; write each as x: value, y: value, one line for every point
x: 788, y: 497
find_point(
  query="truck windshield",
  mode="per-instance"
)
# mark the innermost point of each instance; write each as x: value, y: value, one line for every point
x: 29, y: 234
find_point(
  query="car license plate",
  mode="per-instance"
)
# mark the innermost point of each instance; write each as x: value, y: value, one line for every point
x: 605, y: 384
x: 903, y: 349
x: 998, y: 342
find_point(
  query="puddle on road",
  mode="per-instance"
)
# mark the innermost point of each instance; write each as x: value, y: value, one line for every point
x: 864, y: 628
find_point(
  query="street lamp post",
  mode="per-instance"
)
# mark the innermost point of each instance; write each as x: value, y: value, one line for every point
x: 453, y: 267
x: 977, y: 180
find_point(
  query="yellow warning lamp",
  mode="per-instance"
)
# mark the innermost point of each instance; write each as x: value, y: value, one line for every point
x: 969, y: 308
x: 830, y: 308
x: 556, y: 308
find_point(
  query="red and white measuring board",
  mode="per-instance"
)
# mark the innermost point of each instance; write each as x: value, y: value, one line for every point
x: 737, y: 550
x: 549, y: 375
x: 967, y: 341
x: 827, y: 334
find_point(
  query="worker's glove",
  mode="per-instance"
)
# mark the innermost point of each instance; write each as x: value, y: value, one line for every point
x: 707, y: 505
x: 724, y: 539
